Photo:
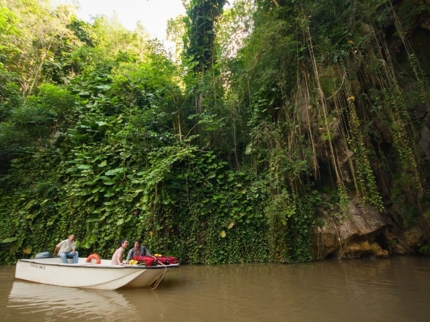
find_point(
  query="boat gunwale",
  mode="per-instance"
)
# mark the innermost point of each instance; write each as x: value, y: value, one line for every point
x: 97, y: 266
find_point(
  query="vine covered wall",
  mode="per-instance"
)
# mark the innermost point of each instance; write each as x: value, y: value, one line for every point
x: 219, y: 158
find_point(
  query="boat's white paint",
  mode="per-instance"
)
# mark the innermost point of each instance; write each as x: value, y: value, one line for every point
x: 102, y: 276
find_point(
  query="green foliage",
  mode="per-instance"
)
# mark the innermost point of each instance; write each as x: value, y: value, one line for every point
x: 424, y: 250
x: 175, y: 33
x: 199, y: 42
x: 222, y: 157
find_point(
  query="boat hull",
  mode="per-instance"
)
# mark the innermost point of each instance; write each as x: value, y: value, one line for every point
x: 88, y: 275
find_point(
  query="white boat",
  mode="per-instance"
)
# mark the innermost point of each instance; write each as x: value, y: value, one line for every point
x: 103, y: 276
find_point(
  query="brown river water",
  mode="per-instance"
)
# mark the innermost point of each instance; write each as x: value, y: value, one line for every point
x: 396, y: 289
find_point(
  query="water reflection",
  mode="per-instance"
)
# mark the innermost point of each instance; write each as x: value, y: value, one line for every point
x: 54, y: 303
x: 60, y: 302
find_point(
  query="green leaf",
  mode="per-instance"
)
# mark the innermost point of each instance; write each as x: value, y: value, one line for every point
x: 9, y: 240
x: 114, y: 171
x: 103, y: 164
x: 106, y: 87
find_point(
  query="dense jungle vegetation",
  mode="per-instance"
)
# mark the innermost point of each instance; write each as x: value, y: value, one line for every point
x: 269, y: 118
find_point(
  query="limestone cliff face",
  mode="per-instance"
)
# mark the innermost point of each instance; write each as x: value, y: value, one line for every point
x: 403, y: 226
x: 365, y: 232
x: 354, y: 235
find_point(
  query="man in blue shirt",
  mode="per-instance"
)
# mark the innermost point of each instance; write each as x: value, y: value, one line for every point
x: 138, y: 250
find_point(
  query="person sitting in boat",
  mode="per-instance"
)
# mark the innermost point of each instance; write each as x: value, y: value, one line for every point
x: 117, y: 256
x: 138, y: 250
x: 67, y: 249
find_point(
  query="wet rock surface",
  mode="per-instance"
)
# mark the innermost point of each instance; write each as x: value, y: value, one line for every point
x: 354, y: 235
x: 364, y: 232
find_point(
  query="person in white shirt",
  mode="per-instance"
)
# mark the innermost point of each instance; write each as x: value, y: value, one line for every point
x: 67, y: 249
x: 117, y: 256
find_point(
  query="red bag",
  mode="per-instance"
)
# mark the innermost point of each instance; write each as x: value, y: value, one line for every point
x: 146, y: 260
x: 167, y: 260
x: 156, y: 260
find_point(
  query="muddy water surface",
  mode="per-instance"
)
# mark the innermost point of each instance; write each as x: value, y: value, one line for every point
x: 392, y: 290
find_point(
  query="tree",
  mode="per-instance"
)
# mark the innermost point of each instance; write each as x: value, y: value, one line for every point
x: 199, y: 42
